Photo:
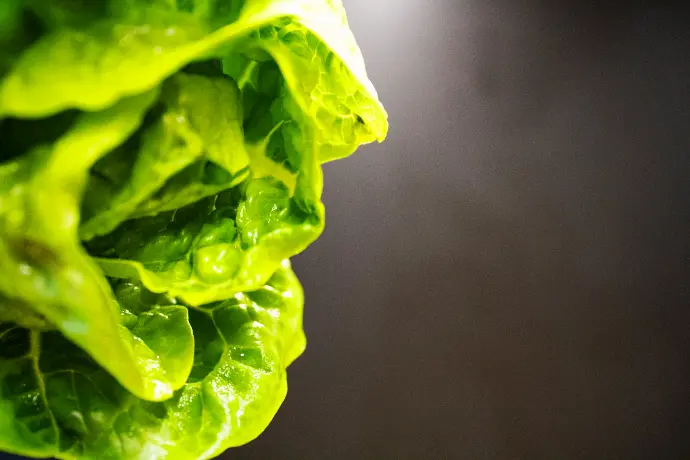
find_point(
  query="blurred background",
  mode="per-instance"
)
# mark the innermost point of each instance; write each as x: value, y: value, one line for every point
x: 506, y: 277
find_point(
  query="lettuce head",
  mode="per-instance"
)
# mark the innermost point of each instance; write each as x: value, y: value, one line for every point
x: 160, y: 162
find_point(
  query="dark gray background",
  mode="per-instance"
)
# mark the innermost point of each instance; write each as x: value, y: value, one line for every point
x: 507, y: 276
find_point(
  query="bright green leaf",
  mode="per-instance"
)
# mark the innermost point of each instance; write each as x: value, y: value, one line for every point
x: 55, y: 401
x: 42, y: 263
x: 214, y: 248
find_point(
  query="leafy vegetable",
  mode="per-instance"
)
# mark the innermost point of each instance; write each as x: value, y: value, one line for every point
x: 56, y: 401
x: 44, y: 266
x: 160, y: 161
x: 215, y: 247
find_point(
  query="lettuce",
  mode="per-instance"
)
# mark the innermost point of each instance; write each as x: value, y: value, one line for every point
x: 160, y: 162
x: 57, y: 401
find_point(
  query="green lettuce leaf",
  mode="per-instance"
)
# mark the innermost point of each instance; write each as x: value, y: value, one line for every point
x: 55, y: 401
x: 214, y: 248
x: 142, y: 42
x: 233, y: 241
x: 43, y: 264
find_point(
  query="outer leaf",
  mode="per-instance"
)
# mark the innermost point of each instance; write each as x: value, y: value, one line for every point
x: 143, y: 44
x: 55, y: 401
x: 325, y: 76
x: 64, y: 69
x: 44, y: 267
